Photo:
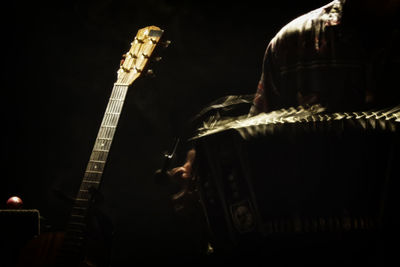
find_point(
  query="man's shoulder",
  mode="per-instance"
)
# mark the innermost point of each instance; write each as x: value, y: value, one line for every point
x: 311, y: 22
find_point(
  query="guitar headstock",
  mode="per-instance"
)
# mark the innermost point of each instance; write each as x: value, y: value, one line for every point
x: 134, y: 62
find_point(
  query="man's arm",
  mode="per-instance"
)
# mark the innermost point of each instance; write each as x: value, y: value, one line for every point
x: 267, y: 92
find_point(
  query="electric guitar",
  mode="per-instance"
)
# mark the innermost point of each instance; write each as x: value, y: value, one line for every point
x: 78, y: 245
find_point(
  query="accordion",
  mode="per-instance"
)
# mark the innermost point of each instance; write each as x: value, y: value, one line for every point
x: 297, y: 173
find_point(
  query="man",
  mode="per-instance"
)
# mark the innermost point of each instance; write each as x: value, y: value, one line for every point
x: 343, y: 56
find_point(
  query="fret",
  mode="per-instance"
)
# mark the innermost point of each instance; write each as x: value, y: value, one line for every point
x: 119, y: 91
x: 102, y: 144
x: 115, y: 106
x: 111, y: 107
x: 100, y: 150
x: 91, y: 182
x: 94, y: 178
x: 88, y: 186
x: 104, y: 138
x: 118, y: 96
x: 94, y: 167
x: 78, y: 211
x: 106, y: 132
x: 94, y: 172
x: 121, y: 84
x: 97, y: 161
x: 96, y: 164
x: 110, y: 119
x: 116, y: 103
x: 90, y: 176
x: 106, y: 120
x: 81, y: 199
x: 83, y: 193
x: 99, y: 155
x: 80, y: 218
x: 115, y: 113
x: 83, y: 214
x: 102, y: 132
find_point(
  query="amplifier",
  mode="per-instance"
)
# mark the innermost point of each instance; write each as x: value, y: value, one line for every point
x: 17, y: 226
x: 21, y: 223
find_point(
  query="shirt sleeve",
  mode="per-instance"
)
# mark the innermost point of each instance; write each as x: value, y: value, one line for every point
x: 267, y: 92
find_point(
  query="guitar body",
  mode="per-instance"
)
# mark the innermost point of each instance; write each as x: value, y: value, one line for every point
x: 46, y: 249
x: 42, y: 250
x: 87, y: 237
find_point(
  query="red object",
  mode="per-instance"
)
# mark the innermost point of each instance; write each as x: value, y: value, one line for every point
x: 14, y: 203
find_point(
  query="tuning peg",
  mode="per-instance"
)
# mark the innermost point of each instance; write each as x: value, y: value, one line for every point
x: 138, y: 40
x: 157, y: 59
x: 121, y: 62
x: 150, y: 73
x: 166, y: 43
x: 132, y: 55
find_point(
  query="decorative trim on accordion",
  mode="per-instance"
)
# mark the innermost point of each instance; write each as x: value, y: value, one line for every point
x: 313, y: 118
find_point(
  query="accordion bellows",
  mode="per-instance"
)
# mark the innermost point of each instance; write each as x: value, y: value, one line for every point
x: 298, y: 171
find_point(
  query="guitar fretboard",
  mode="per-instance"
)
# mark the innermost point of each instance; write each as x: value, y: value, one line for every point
x: 95, y: 167
x: 101, y: 148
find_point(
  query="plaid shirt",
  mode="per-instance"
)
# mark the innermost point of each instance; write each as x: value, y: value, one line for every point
x: 327, y: 58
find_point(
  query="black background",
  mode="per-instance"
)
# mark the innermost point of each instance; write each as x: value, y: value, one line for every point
x: 59, y: 65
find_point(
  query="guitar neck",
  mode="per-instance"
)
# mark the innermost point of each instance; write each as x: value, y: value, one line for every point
x: 132, y: 66
x: 97, y: 161
x: 95, y: 167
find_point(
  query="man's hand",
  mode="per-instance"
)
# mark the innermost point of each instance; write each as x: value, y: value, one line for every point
x: 185, y: 171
